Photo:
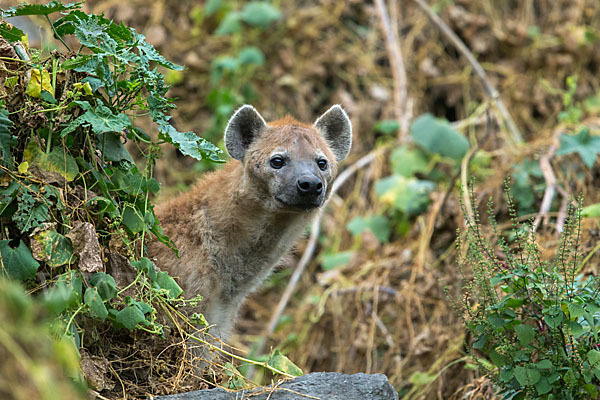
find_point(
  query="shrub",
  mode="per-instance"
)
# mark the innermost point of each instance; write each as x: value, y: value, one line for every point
x: 534, y: 322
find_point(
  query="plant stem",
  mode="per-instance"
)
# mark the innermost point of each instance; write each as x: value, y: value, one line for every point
x: 56, y: 33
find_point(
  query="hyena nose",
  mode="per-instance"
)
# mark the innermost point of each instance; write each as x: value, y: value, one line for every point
x: 309, y: 186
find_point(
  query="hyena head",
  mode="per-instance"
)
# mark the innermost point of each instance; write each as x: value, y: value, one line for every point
x: 289, y: 165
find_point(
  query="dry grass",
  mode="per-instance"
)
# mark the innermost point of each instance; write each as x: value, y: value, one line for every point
x: 386, y: 311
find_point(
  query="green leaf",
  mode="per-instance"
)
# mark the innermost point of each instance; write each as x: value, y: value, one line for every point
x: 421, y: 378
x: 39, y: 9
x: 525, y: 334
x: 94, y: 302
x: 408, y: 195
x: 229, y: 25
x: 544, y: 364
x: 527, y: 376
x: 17, y: 263
x: 102, y: 120
x: 336, y: 260
x: 554, y: 317
x: 112, y: 148
x: 592, y: 211
x: 58, y: 160
x: 130, y: 316
x: 407, y: 162
x: 251, y: 56
x: 438, y: 136
x: 593, y: 357
x: 167, y: 282
x: 105, y: 284
x: 7, y: 140
x: 260, y: 14
x: 65, y: 294
x: 575, y: 310
x: 146, y: 265
x: 212, y: 6
x: 543, y: 386
x: 10, y: 32
x: 191, y: 144
x: 283, y: 364
x: 52, y: 248
x: 377, y: 224
x: 586, y: 145
x: 132, y: 219
x: 480, y: 342
x: 387, y: 126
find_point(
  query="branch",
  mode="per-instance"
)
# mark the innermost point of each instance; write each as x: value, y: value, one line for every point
x: 515, y: 135
x: 402, y: 104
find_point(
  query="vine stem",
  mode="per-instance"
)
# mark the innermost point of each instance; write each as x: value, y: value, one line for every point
x: 56, y: 33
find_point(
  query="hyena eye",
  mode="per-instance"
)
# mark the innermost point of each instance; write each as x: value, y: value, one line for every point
x: 322, y: 164
x: 277, y: 162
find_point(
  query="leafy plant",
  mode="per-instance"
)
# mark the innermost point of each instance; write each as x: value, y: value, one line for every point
x: 68, y: 167
x: 231, y: 73
x: 534, y: 322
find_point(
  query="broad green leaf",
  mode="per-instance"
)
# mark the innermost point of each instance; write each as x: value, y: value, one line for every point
x: 527, y: 376
x: 260, y: 14
x: 543, y: 386
x: 377, y: 224
x: 408, y: 195
x: 592, y: 211
x: 17, y: 263
x: 575, y: 310
x: 40, y: 9
x: 112, y: 148
x: 58, y: 160
x: 40, y: 81
x: 191, y: 144
x: 132, y: 219
x: 229, y: 25
x: 544, y: 364
x: 167, y: 282
x: 525, y: 334
x: 146, y: 265
x: 105, y: 284
x: 65, y: 294
x: 283, y: 364
x: 76, y: 62
x: 576, y: 329
x: 407, y: 162
x: 236, y: 379
x: 438, y: 136
x: 130, y: 316
x: 593, y: 357
x: 387, y: 126
x: 251, y: 55
x: 554, y: 317
x: 102, y: 120
x: 336, y: 260
x: 480, y: 342
x: 52, y: 248
x: 94, y: 302
x: 7, y: 140
x: 10, y: 32
x: 586, y: 145
x: 421, y: 378
x: 212, y: 6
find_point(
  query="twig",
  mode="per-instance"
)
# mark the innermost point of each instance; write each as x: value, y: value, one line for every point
x: 551, y: 188
x: 515, y: 134
x: 310, y: 249
x: 401, y: 102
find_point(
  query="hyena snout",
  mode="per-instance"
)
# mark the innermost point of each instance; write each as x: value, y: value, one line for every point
x: 309, y: 186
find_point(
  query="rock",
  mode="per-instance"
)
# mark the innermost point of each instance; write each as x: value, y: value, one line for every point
x: 322, y: 385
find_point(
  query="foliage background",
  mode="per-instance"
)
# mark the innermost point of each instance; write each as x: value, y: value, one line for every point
x: 384, y: 308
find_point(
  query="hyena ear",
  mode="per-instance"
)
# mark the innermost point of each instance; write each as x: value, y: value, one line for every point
x: 243, y: 127
x: 336, y: 128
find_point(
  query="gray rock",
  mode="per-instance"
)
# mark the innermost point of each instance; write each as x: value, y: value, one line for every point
x: 321, y: 385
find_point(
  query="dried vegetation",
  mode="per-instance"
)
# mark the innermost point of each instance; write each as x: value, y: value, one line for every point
x: 386, y: 311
